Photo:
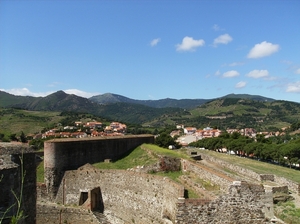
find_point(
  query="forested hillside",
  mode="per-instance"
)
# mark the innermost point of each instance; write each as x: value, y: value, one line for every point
x: 251, y: 111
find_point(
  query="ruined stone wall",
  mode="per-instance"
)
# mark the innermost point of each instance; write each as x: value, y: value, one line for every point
x: 266, y: 177
x: 69, y: 154
x: 222, y: 181
x: 58, y: 214
x: 130, y: 196
x: 244, y: 203
x: 17, y: 160
x: 293, y: 186
x: 238, y: 169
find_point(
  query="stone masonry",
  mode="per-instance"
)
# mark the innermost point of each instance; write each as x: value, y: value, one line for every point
x: 244, y: 203
x: 17, y: 160
x: 73, y: 187
x: 69, y: 154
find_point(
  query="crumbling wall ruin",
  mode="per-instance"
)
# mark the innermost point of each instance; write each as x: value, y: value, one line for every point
x: 244, y: 203
x: 293, y: 186
x: 204, y: 173
x: 17, y: 171
x: 127, y: 195
x: 131, y: 197
x: 136, y: 197
x: 69, y: 154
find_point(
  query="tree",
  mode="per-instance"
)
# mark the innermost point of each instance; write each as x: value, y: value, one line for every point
x: 291, y: 152
x: 13, y: 137
x: 23, y: 137
x: 37, y: 143
x: 164, y: 140
x: 235, y: 135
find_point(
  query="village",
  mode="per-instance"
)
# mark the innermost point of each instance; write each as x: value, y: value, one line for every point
x: 184, y: 135
x: 84, y: 130
x: 192, y: 134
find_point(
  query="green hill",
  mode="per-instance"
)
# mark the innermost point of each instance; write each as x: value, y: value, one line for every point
x: 250, y: 111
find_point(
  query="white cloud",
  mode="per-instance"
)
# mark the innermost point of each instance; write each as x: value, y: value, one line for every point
x: 151, y: 97
x: 271, y: 78
x: 263, y: 49
x: 293, y: 87
x: 258, y: 74
x: 231, y: 74
x: 216, y: 27
x: 189, y: 44
x: 27, y: 92
x: 240, y: 85
x: 287, y: 62
x: 80, y: 93
x: 223, y: 39
x: 53, y: 84
x: 154, y: 42
x: 217, y: 73
x: 236, y: 64
x: 297, y: 71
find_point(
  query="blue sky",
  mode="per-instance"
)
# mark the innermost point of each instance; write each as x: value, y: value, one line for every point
x: 151, y: 49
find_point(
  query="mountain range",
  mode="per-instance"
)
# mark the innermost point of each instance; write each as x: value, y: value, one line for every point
x: 61, y: 101
x: 234, y: 109
x: 109, y: 98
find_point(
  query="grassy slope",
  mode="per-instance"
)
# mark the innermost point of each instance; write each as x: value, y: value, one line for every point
x: 15, y: 121
x: 139, y: 157
x: 257, y: 166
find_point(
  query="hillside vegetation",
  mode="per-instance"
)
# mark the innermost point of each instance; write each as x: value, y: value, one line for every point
x: 231, y: 111
x: 241, y: 113
x: 30, y: 122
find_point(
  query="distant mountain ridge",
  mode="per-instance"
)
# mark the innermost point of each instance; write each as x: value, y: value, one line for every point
x: 109, y: 98
x: 239, y: 109
x: 60, y: 101
x: 250, y: 97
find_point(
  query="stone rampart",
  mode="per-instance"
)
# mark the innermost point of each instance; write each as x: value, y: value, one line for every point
x: 69, y: 154
x: 235, y: 168
x: 244, y: 203
x: 293, y: 186
x: 221, y: 180
x: 130, y: 196
x: 58, y: 214
x: 18, y: 171
x: 267, y: 177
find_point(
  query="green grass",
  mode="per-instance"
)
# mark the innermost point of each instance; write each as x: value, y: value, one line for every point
x: 137, y: 157
x: 257, y: 166
x: 189, y: 193
x: 166, y: 152
x: 172, y: 175
x: 287, y: 212
x: 30, y: 122
x: 207, y: 185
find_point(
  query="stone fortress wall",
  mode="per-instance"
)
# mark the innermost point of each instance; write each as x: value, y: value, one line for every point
x: 128, y: 196
x: 134, y: 197
x: 293, y: 186
x: 17, y: 161
x: 243, y: 203
x: 76, y: 192
x: 69, y: 154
